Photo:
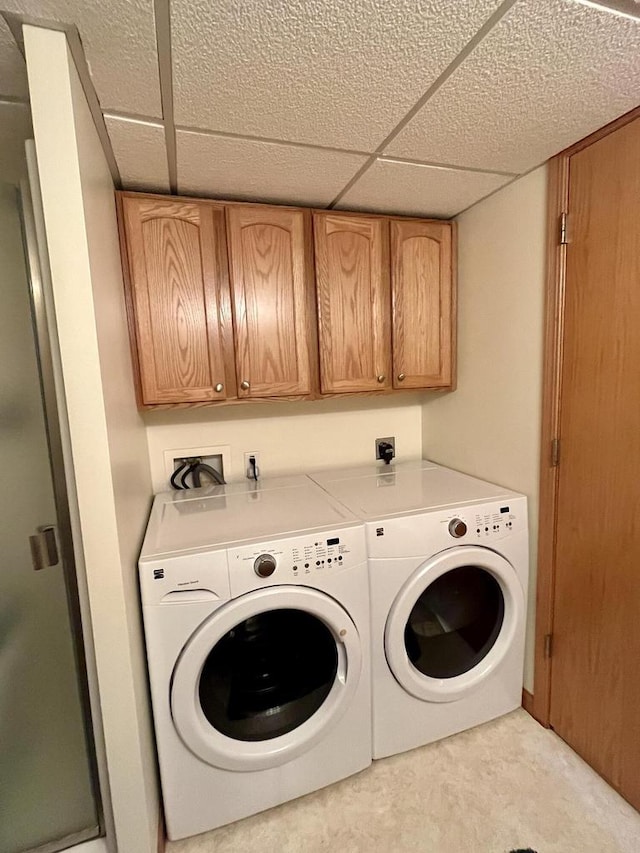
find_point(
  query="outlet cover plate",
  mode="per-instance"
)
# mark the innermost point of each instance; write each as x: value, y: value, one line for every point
x: 390, y: 440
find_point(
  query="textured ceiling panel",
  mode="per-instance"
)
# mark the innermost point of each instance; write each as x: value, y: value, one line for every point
x: 140, y: 153
x: 261, y: 171
x: 549, y: 73
x: 340, y: 74
x: 119, y: 40
x: 416, y: 190
x: 13, y: 71
x: 15, y: 127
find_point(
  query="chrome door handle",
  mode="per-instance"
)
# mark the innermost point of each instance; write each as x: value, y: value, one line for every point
x: 44, y: 547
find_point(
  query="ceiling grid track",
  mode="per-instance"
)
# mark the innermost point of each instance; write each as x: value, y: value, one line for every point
x: 13, y: 99
x: 223, y: 134
x: 162, y: 11
x: 488, y: 25
x: 15, y: 23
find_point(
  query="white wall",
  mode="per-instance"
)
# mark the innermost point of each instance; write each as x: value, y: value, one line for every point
x: 290, y: 437
x: 490, y: 427
x: 108, y: 438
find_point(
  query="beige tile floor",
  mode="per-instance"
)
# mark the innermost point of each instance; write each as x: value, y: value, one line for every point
x: 504, y: 785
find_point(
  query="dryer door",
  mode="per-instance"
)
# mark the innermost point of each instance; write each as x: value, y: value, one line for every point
x: 265, y: 678
x: 453, y: 622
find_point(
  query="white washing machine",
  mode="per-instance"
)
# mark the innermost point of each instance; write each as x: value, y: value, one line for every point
x: 448, y: 568
x: 256, y: 615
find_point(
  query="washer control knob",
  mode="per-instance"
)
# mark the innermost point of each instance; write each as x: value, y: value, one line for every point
x: 457, y: 528
x: 265, y: 565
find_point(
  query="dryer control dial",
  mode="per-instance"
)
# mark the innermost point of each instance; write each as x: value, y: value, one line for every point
x: 457, y: 528
x: 264, y: 565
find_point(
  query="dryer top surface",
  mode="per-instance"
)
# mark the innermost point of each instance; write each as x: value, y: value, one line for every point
x: 407, y: 488
x: 222, y: 516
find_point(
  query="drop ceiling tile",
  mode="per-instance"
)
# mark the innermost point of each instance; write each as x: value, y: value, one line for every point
x: 13, y: 71
x: 140, y: 152
x: 261, y: 171
x: 409, y: 189
x: 340, y: 74
x: 119, y: 40
x: 15, y: 127
x: 549, y: 73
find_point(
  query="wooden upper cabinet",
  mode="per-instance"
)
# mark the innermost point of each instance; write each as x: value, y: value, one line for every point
x: 222, y: 303
x: 352, y: 279
x: 178, y: 299
x: 272, y: 291
x: 422, y: 282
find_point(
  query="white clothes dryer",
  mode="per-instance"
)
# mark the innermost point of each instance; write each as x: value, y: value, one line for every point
x: 256, y: 614
x: 448, y: 571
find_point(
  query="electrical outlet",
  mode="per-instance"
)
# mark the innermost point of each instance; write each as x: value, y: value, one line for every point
x: 380, y: 447
x: 248, y: 467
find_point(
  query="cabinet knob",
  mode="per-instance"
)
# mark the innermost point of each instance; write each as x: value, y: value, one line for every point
x: 245, y: 385
x: 219, y: 387
x: 380, y: 378
x: 400, y: 377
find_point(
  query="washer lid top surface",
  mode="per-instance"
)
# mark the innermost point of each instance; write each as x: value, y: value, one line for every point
x: 238, y: 512
x: 407, y: 488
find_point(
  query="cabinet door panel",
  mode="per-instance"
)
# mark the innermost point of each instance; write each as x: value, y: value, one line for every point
x: 353, y: 302
x: 271, y: 291
x: 179, y: 294
x: 421, y: 286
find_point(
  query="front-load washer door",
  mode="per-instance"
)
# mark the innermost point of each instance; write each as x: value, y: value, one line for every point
x: 265, y: 678
x: 453, y: 622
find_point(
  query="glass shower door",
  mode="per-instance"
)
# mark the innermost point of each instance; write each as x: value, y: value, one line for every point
x: 48, y: 791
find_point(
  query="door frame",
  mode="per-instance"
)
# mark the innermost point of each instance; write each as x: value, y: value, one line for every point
x: 557, y: 204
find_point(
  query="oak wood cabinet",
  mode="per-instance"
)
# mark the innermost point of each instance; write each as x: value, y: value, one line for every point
x: 352, y: 279
x: 422, y: 279
x: 385, y: 302
x: 178, y: 299
x: 272, y: 288
x: 224, y: 306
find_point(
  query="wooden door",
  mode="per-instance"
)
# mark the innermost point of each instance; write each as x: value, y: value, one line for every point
x: 595, y: 680
x: 178, y: 299
x: 421, y: 290
x: 352, y: 278
x: 272, y: 287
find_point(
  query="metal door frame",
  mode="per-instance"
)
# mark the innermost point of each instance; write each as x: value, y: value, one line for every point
x: 34, y: 251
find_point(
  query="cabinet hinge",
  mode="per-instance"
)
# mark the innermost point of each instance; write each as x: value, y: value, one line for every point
x: 548, y: 645
x: 563, y: 229
x: 555, y: 452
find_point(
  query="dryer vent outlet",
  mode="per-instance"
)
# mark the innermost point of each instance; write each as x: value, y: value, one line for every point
x: 386, y: 449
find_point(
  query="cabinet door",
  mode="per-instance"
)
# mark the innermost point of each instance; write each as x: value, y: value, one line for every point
x: 422, y: 294
x: 352, y: 277
x: 178, y: 293
x: 272, y: 292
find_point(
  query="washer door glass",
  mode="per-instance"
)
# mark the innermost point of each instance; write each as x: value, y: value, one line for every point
x: 265, y: 677
x: 268, y: 674
x: 455, y: 622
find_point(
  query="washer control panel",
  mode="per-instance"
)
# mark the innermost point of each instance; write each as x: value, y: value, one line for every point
x: 479, y: 523
x: 299, y: 559
x: 495, y: 520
